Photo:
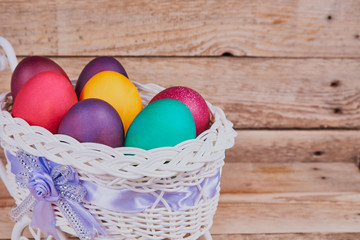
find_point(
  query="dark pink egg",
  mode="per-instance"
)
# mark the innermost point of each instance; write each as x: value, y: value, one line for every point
x: 193, y: 100
x: 99, y: 64
x: 93, y: 120
x: 29, y: 67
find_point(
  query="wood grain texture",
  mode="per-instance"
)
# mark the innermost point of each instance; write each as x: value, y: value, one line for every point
x: 287, y: 213
x: 137, y: 28
x: 289, y: 177
x: 291, y: 146
x: 254, y: 92
x: 187, y: 28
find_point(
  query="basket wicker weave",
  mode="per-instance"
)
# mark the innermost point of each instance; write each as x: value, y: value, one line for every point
x: 188, y: 164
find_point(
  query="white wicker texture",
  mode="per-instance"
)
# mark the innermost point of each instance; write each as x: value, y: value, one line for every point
x: 157, y: 171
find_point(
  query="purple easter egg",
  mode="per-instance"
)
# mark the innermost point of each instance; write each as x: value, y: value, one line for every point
x: 193, y: 100
x: 29, y: 67
x: 93, y: 120
x: 99, y: 64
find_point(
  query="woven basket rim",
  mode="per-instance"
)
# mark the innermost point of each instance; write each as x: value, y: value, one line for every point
x: 38, y: 141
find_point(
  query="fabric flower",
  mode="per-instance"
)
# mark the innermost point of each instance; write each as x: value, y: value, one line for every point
x: 42, y: 187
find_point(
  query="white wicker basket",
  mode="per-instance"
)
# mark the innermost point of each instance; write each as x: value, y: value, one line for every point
x: 189, y: 164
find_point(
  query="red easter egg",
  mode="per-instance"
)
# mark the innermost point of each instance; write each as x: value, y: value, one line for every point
x: 44, y: 100
x: 193, y: 100
x: 29, y: 67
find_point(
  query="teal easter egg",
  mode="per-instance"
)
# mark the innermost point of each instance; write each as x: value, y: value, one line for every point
x: 163, y: 123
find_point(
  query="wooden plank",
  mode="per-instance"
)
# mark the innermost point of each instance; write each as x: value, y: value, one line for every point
x: 136, y: 28
x: 287, y: 213
x: 289, y: 177
x: 288, y: 236
x: 255, y: 92
x: 295, y: 146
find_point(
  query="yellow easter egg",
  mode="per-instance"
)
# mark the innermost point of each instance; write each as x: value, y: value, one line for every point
x: 118, y: 91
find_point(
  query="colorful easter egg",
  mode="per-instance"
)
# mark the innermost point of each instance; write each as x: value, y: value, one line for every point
x: 193, y: 100
x: 93, y: 120
x: 163, y: 123
x: 117, y: 90
x: 99, y: 64
x: 29, y: 67
x: 44, y: 100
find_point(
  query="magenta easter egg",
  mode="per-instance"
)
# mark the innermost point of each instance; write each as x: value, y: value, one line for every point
x: 193, y: 100
x: 44, y: 100
x: 93, y: 120
x: 29, y: 67
x: 99, y: 64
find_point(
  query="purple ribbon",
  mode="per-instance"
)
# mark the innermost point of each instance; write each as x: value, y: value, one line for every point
x: 118, y: 200
x: 128, y: 201
x: 50, y: 183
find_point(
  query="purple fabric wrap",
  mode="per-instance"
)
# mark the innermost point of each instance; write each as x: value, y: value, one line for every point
x: 41, y: 186
x: 128, y: 201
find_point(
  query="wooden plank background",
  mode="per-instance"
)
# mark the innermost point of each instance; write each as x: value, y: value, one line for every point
x: 286, y: 73
x: 281, y: 28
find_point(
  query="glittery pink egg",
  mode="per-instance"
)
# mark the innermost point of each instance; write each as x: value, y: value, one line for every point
x: 193, y: 100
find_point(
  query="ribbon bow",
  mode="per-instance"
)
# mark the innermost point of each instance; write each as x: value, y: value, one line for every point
x: 50, y: 183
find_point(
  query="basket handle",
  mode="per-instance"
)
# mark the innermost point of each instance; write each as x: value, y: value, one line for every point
x: 4, y: 60
x: 10, y: 55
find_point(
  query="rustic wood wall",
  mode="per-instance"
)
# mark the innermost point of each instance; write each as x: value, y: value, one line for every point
x: 286, y: 73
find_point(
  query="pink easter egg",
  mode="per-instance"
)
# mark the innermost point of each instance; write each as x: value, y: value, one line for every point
x: 193, y: 100
x: 44, y: 100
